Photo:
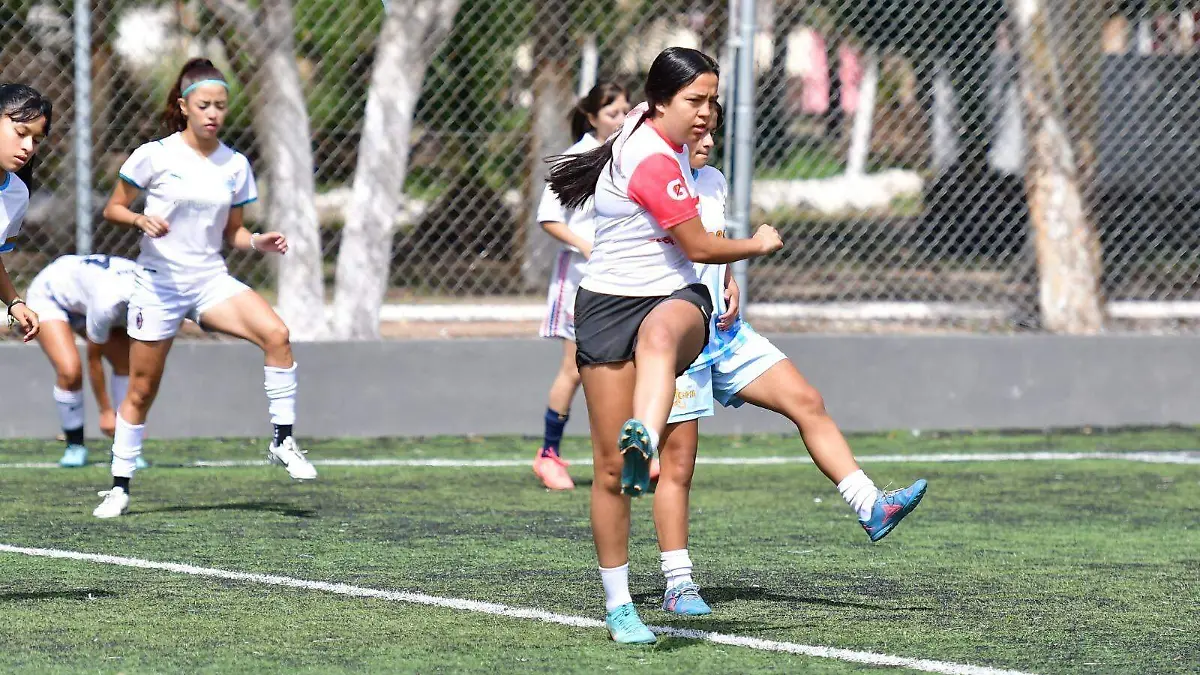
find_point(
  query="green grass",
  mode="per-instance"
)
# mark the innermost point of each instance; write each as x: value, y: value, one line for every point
x: 1056, y: 567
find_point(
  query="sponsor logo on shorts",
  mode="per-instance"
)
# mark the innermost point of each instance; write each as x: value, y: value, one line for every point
x: 682, y: 398
x: 138, y: 320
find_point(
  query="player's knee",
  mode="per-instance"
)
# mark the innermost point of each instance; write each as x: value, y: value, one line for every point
x: 141, y: 393
x: 70, y: 378
x: 807, y: 403
x: 277, y: 337
x: 607, y: 477
x: 657, y: 338
x: 569, y: 372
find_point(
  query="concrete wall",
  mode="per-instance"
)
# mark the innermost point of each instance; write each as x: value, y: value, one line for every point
x: 499, y: 386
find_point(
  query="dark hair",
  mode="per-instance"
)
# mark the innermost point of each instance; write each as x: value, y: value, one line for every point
x: 573, y: 177
x: 601, y: 95
x: 22, y: 103
x: 195, y: 70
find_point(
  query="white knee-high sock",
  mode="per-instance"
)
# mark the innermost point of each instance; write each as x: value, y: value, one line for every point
x: 676, y: 567
x: 117, y: 386
x: 70, y: 408
x: 127, y: 447
x: 859, y: 492
x: 280, y: 384
x: 616, y: 586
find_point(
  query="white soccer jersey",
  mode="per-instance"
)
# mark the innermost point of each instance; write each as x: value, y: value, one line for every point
x: 194, y: 194
x: 96, y: 287
x: 642, y: 193
x: 14, y: 202
x: 712, y: 188
x: 580, y: 220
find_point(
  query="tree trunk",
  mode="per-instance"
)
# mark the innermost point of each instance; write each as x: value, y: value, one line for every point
x: 1068, y: 249
x: 267, y: 62
x: 411, y: 33
x: 864, y: 116
x: 550, y: 131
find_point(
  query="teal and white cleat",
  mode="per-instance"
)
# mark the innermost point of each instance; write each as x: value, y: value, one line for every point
x: 634, y: 444
x: 74, y: 457
x: 626, y: 627
x: 685, y: 599
x: 140, y: 463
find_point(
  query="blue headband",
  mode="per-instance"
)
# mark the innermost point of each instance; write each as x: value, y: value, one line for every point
x: 192, y: 87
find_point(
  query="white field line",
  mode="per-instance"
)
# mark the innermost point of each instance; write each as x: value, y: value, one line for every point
x: 930, y: 458
x: 849, y: 655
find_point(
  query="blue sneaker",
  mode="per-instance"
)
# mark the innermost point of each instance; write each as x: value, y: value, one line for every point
x: 891, y: 507
x: 634, y: 445
x: 685, y: 599
x: 140, y: 463
x: 625, y: 626
x: 74, y: 457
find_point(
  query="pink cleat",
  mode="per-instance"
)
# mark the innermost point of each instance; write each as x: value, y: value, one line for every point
x: 654, y: 469
x: 553, y: 471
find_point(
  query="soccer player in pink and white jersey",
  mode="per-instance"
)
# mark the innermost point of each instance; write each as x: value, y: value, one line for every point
x: 642, y: 315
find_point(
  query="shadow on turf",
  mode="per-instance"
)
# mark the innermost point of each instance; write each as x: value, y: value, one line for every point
x: 716, y: 595
x: 82, y: 594
x: 268, y: 507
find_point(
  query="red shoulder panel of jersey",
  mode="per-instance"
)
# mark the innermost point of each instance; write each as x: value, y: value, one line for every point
x: 658, y: 186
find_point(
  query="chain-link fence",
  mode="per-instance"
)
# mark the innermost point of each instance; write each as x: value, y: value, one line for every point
x: 896, y: 149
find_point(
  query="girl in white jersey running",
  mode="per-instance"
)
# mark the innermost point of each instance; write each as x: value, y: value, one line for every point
x: 641, y: 315
x: 88, y: 296
x: 195, y: 188
x: 595, y: 117
x: 739, y: 365
x: 25, y: 117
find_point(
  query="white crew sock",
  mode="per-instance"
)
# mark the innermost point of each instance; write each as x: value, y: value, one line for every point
x: 676, y: 567
x: 616, y: 586
x: 859, y: 492
x: 127, y: 447
x: 117, y: 386
x: 653, y: 439
x: 280, y: 384
x: 70, y: 408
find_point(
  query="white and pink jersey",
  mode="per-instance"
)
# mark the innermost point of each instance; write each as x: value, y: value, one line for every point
x: 643, y: 192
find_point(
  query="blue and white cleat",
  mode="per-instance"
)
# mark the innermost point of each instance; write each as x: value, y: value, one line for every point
x: 634, y: 444
x: 685, y: 599
x: 891, y: 507
x: 74, y: 457
x: 626, y: 627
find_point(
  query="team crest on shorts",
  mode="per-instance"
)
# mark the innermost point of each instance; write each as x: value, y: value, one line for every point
x: 138, y: 320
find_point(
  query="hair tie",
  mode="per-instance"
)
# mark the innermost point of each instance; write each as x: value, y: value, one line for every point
x: 192, y: 87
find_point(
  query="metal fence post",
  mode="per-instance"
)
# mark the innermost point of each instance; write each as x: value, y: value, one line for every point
x: 83, y: 127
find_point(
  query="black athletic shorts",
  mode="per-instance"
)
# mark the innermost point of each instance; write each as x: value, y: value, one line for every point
x: 606, y: 326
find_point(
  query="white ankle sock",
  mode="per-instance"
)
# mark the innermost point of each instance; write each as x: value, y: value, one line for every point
x: 127, y: 447
x: 676, y: 567
x: 653, y: 439
x: 616, y: 586
x: 70, y: 408
x: 859, y: 492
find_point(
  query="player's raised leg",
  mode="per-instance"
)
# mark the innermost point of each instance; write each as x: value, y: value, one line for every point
x: 782, y: 389
x: 246, y: 315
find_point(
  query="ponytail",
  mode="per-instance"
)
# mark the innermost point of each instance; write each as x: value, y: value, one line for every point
x: 574, y: 177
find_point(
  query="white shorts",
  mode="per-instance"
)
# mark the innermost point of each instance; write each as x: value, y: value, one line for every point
x: 693, y: 397
x: 160, y: 304
x: 40, y: 298
x: 560, y: 300
x: 741, y: 366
